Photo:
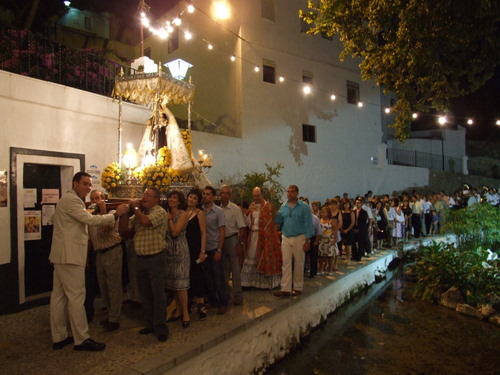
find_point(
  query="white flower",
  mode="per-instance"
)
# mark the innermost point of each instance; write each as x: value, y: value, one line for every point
x: 491, y: 255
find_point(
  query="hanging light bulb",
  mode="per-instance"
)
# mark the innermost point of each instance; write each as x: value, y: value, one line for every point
x: 360, y: 104
x: 281, y: 79
x: 333, y: 97
x: 414, y: 115
x: 257, y: 69
x: 177, y: 21
x: 306, y: 89
x: 387, y: 110
x: 210, y: 46
x: 233, y: 58
x: 470, y: 121
x: 442, y: 120
x: 188, y: 35
x: 190, y: 8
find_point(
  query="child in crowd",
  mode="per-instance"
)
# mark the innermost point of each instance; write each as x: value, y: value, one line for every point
x: 434, y: 222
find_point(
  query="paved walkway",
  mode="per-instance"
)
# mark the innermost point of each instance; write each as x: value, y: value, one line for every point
x: 26, y: 347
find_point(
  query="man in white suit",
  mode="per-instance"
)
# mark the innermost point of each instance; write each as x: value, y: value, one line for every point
x: 69, y: 255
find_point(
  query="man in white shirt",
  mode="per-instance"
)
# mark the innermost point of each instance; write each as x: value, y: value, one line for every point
x: 235, y: 227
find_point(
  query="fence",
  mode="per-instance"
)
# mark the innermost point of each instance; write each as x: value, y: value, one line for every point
x: 414, y: 158
x: 28, y: 54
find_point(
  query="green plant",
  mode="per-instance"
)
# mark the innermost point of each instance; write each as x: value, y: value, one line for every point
x: 268, y: 181
x: 475, y: 272
x: 475, y: 226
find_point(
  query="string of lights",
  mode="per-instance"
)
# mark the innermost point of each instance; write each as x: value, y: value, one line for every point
x: 166, y: 27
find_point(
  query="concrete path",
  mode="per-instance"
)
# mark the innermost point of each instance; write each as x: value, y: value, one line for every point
x: 26, y: 347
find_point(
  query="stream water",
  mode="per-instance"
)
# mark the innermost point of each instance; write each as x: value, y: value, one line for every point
x: 381, y: 332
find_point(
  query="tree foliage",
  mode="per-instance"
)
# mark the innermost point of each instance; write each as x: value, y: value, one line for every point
x: 424, y: 51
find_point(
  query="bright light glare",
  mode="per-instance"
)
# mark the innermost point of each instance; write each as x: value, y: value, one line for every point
x: 360, y: 104
x: 163, y: 34
x: 306, y: 89
x: 498, y: 122
x: 256, y: 69
x: 442, y: 120
x: 387, y: 110
x: 281, y: 79
x: 221, y: 10
x: 470, y: 121
x: 233, y: 58
x: 67, y: 3
x: 188, y: 35
x: 333, y: 97
x: 415, y: 115
x: 177, y: 21
x: 210, y: 46
x: 190, y: 8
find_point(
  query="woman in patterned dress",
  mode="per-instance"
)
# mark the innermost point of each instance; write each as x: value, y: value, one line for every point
x: 177, y: 271
x: 327, y: 250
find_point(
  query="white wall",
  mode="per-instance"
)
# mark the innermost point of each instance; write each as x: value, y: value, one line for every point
x: 46, y: 116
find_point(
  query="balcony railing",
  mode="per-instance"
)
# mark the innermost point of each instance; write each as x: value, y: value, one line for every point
x: 31, y: 55
x: 413, y: 158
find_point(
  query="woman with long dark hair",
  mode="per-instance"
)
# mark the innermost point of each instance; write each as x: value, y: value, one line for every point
x: 177, y: 270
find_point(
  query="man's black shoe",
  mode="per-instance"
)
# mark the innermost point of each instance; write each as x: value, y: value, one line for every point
x: 90, y: 345
x: 61, y: 344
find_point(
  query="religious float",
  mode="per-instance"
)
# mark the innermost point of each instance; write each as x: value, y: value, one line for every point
x: 164, y: 159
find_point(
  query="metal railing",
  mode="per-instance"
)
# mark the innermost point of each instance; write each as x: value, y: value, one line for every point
x: 413, y: 158
x: 29, y: 54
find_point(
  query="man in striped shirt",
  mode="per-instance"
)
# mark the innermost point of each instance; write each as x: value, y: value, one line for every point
x: 109, y: 255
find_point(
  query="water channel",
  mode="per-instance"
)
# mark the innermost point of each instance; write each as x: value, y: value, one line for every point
x: 382, y: 332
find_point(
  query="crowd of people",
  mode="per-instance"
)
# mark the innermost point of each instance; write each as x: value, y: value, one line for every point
x: 204, y: 252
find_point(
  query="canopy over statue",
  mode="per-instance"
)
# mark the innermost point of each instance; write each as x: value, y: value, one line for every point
x: 156, y: 90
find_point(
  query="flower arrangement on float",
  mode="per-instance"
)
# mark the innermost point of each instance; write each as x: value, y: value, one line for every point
x: 155, y: 171
x: 112, y: 176
x: 159, y: 175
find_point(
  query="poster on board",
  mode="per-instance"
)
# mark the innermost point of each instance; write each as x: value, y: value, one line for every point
x: 32, y: 225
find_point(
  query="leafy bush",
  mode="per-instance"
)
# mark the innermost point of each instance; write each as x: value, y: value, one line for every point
x: 474, y: 226
x: 476, y: 273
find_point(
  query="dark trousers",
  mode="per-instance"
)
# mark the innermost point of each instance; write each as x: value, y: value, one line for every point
x: 215, y: 280
x: 416, y: 223
x: 313, y: 260
x: 361, y: 244
x: 151, y: 283
x: 427, y: 220
x: 91, y: 286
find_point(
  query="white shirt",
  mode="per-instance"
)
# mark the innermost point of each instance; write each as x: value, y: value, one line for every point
x: 234, y: 218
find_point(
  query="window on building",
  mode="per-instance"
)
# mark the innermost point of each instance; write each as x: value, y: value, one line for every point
x: 268, y: 9
x: 352, y: 92
x: 173, y: 41
x: 269, y: 71
x: 309, y: 133
x: 307, y: 77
